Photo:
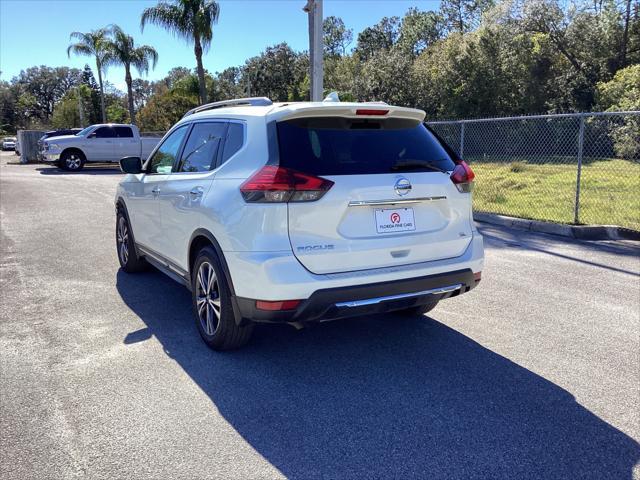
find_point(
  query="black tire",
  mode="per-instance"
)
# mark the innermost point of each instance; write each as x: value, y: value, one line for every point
x: 211, y: 300
x: 420, y: 309
x: 129, y: 260
x: 72, y: 160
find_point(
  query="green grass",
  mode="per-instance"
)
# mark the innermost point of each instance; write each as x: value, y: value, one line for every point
x: 610, y: 191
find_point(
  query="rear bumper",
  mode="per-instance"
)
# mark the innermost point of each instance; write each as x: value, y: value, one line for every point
x: 341, y: 302
x: 277, y: 276
x: 274, y: 276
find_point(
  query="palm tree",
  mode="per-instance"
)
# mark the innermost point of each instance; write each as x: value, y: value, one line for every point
x: 191, y: 20
x: 90, y: 44
x: 121, y: 50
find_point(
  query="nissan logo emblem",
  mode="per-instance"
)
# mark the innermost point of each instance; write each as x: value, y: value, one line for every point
x: 402, y: 186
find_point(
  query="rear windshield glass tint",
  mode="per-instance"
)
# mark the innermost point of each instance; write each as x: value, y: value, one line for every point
x: 343, y: 146
x: 125, y: 132
x: 235, y: 137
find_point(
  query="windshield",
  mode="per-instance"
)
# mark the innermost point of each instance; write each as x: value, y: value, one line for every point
x: 84, y: 132
x: 9, y: 139
x: 347, y: 146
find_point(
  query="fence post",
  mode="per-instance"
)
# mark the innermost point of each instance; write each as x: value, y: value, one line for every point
x: 461, y: 139
x: 576, y: 210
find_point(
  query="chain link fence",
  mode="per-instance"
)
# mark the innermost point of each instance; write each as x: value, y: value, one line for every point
x: 567, y: 168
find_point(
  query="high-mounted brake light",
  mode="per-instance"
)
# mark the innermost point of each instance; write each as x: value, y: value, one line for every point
x: 462, y: 176
x: 275, y: 184
x: 371, y: 111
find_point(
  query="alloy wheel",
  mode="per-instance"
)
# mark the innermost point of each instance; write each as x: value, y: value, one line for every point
x: 208, y: 298
x: 73, y: 161
x: 122, y: 237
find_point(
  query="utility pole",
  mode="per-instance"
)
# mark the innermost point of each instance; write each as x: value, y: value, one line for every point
x: 316, y: 48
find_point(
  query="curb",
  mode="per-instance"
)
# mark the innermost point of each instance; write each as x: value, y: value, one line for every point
x: 581, y: 232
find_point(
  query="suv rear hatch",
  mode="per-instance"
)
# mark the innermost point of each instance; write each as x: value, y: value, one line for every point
x: 392, y: 201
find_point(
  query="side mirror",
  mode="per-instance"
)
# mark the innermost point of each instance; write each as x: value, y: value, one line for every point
x: 92, y: 135
x: 131, y: 165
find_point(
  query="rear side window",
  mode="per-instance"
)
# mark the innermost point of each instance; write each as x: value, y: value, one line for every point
x: 345, y: 146
x: 235, y: 139
x: 201, y: 149
x: 124, y: 132
x: 105, y: 132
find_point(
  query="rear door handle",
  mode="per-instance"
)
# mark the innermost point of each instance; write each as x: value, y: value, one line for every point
x: 196, y: 193
x: 156, y: 190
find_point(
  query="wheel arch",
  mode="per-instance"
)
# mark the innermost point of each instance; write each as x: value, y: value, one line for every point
x: 121, y: 207
x: 73, y: 149
x: 202, y: 238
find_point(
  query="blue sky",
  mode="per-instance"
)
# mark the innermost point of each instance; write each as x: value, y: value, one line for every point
x: 36, y: 32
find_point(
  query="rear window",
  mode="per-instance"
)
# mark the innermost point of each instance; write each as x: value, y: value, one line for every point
x: 344, y: 146
x: 124, y: 132
x: 235, y: 138
x: 201, y: 149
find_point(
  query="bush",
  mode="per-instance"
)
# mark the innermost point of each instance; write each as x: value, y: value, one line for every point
x: 623, y: 93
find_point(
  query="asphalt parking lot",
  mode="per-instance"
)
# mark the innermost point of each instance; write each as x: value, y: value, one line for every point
x: 535, y: 374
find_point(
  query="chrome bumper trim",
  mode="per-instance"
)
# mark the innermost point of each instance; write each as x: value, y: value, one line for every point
x: 49, y: 157
x: 373, y: 301
x: 399, y: 201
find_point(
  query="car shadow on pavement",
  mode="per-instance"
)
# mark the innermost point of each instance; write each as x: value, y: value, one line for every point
x: 102, y: 170
x: 383, y: 397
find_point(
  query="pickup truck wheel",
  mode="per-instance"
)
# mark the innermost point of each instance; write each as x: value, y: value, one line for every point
x: 72, y: 161
x: 127, y: 256
x: 420, y: 309
x: 211, y: 299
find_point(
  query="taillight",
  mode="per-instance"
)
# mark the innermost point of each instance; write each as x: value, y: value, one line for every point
x: 274, y: 184
x: 462, y: 176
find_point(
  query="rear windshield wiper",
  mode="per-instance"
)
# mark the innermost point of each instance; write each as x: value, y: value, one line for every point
x: 409, y: 165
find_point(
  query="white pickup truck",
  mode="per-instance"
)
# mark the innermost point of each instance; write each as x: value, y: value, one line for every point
x: 97, y: 143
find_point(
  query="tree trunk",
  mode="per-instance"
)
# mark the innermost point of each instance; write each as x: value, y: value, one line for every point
x: 104, y: 115
x: 132, y: 113
x: 558, y: 42
x: 625, y: 37
x: 197, y: 49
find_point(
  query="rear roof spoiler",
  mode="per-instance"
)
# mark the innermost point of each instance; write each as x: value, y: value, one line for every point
x: 351, y: 110
x: 236, y: 102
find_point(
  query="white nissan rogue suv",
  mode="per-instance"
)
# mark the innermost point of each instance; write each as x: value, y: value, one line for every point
x: 300, y: 212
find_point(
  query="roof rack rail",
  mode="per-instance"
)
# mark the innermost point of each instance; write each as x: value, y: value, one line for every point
x: 252, y: 101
